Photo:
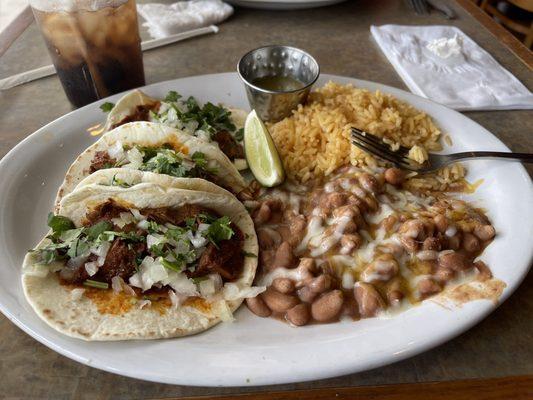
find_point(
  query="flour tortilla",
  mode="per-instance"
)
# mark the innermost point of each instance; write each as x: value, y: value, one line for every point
x: 133, y: 177
x: 128, y: 104
x: 80, y: 318
x: 152, y: 134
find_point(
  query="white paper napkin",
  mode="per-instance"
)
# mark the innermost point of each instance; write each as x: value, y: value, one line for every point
x: 168, y: 19
x: 469, y: 79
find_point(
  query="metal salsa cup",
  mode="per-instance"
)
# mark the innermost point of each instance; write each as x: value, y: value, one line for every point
x: 277, y: 61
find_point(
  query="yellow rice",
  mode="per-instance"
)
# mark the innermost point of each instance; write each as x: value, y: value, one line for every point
x: 315, y: 140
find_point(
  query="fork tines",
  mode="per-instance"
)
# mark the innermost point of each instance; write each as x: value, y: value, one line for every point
x: 374, y: 145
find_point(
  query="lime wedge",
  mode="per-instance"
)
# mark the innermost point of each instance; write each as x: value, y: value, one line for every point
x: 261, y: 154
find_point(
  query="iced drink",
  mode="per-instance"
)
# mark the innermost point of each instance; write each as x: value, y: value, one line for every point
x: 94, y: 44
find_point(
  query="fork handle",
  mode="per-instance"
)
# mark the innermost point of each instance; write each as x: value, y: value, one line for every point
x: 523, y: 157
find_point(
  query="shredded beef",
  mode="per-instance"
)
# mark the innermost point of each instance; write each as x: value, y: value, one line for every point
x: 175, y: 216
x: 120, y: 260
x: 226, y: 260
x: 141, y: 113
x: 105, y: 212
x: 228, y: 145
x: 101, y: 160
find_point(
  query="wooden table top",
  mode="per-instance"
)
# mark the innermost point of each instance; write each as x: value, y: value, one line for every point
x: 339, y: 37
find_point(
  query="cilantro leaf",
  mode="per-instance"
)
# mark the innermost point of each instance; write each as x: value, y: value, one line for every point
x: 59, y: 224
x: 119, y: 182
x: 239, y: 135
x: 219, y: 230
x: 94, y: 231
x: 172, y: 265
x: 199, y: 159
x: 107, y: 107
x: 172, y: 96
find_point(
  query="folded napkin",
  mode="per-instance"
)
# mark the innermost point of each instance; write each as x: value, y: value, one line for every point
x: 443, y: 64
x: 163, y: 20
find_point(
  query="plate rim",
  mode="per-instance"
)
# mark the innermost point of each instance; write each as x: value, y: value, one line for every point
x: 381, y: 360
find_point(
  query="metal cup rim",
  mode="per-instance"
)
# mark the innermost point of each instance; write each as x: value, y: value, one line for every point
x: 260, y: 89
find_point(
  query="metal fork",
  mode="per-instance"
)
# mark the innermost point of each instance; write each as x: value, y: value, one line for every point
x: 374, y: 145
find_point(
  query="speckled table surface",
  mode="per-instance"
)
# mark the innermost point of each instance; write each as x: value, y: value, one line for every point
x: 339, y: 37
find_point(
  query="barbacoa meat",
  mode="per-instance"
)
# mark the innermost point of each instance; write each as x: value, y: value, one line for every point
x: 175, y: 216
x: 141, y: 113
x: 226, y: 260
x: 228, y: 145
x: 101, y: 160
x: 120, y: 260
x: 105, y: 212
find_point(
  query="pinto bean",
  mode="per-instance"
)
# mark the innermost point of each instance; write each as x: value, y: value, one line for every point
x: 484, y: 271
x: 278, y: 302
x: 258, y: 307
x: 394, y: 292
x: 274, y: 204
x: 332, y: 201
x: 283, y: 285
x: 355, y: 201
x: 297, y: 226
x: 432, y: 243
x: 328, y: 306
x: 412, y: 228
x: 369, y: 183
x: 306, y: 294
x: 266, y: 258
x: 298, y: 315
x: 471, y: 243
x: 350, y: 242
x: 454, y: 261
x: 454, y: 242
x: 368, y: 299
x: 427, y: 287
x: 284, y: 257
x: 389, y: 222
x: 267, y: 238
x: 443, y: 275
x: 383, y: 268
x: 410, y: 244
x: 484, y: 232
x: 263, y: 214
x: 441, y: 222
x: 394, y: 176
x: 320, y: 284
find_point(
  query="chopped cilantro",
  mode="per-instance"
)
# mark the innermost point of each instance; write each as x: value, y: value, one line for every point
x: 172, y: 265
x: 59, y: 224
x: 107, y: 106
x: 172, y: 96
x: 199, y: 279
x: 119, y: 182
x: 219, y: 230
x: 199, y: 159
x: 96, y: 284
x: 94, y: 231
x: 247, y: 254
x: 239, y: 135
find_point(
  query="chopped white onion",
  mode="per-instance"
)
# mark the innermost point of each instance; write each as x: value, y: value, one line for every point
x: 101, y: 251
x: 116, y: 151
x: 181, y: 284
x: 207, y: 287
x: 175, y: 299
x: 135, y: 158
x: 76, y: 262
x: 150, y: 272
x: 137, y: 214
x: 116, y: 284
x: 124, y: 219
x: 143, y: 303
x: 154, y: 239
x: 91, y: 268
x: 144, y: 224
x: 76, y: 294
x: 197, y: 239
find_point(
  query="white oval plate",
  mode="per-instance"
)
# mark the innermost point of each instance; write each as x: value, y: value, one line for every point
x: 252, y: 350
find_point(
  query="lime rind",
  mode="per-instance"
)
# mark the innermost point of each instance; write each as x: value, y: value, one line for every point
x: 261, y: 153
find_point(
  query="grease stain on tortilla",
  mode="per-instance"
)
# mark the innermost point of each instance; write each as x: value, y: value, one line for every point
x: 200, y: 304
x: 109, y: 302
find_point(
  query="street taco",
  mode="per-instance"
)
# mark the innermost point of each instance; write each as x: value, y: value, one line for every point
x: 155, y: 148
x: 222, y: 126
x: 142, y: 262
